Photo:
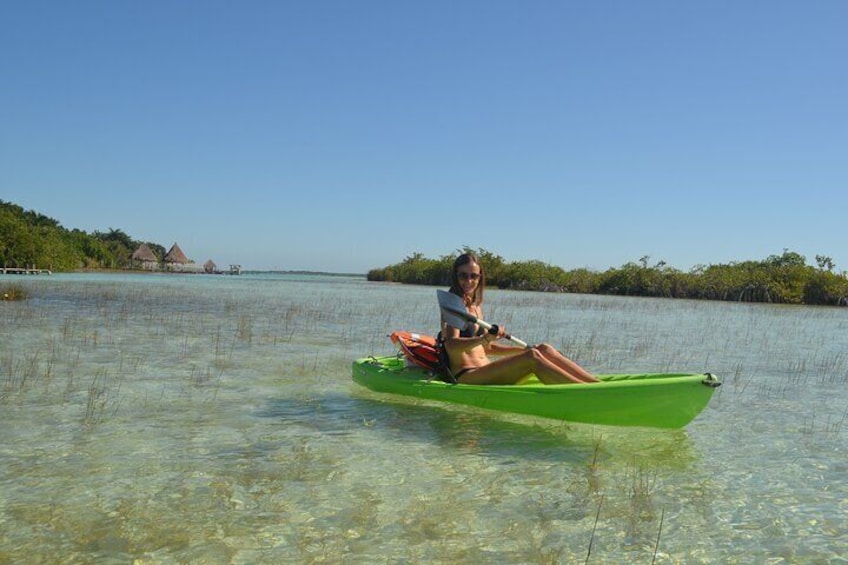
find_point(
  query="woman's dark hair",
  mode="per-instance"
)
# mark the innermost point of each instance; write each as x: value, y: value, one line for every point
x: 465, y: 259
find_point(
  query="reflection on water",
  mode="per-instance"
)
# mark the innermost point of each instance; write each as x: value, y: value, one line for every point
x: 164, y: 419
x: 515, y: 439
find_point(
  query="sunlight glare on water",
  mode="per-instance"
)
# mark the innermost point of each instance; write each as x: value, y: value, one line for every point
x: 170, y: 419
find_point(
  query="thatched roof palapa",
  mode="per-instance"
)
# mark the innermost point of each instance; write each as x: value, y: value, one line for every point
x: 176, y: 255
x: 144, y: 253
x: 210, y: 266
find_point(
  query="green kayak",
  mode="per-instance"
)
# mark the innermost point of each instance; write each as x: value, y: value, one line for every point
x: 653, y: 400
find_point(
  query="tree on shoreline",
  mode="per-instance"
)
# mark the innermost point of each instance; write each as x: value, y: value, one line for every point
x: 30, y: 239
x: 780, y: 279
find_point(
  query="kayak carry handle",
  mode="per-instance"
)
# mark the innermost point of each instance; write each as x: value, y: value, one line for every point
x: 711, y: 380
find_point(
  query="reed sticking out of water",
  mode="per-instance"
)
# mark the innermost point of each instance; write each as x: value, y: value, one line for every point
x: 642, y: 493
x: 659, y: 533
x: 245, y: 329
x: 200, y: 378
x: 67, y: 329
x: 594, y: 528
x: 217, y: 341
x: 95, y: 401
x: 98, y: 397
x: 13, y: 292
x: 830, y: 428
x: 593, y: 478
x: 23, y: 375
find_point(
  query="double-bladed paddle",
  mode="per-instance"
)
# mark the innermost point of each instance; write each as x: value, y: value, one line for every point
x: 453, y: 309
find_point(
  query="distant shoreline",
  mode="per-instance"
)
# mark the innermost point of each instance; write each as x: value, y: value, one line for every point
x: 322, y: 273
x: 245, y: 271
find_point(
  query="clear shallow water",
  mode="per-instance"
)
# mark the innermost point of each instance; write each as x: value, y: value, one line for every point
x: 167, y: 419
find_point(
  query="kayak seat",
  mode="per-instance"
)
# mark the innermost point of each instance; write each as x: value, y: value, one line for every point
x: 424, y: 351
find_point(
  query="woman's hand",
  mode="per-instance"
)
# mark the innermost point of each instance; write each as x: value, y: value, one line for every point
x: 496, y: 332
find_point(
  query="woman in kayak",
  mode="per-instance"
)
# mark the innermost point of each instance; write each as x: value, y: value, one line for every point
x: 468, y: 350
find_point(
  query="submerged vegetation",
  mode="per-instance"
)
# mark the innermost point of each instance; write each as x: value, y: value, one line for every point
x: 783, y: 279
x: 30, y: 239
x: 12, y: 292
x: 230, y: 403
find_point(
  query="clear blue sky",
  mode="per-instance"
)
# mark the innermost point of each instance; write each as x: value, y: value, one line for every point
x: 345, y: 135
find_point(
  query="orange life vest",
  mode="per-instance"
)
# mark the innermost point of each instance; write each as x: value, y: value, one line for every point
x: 424, y: 351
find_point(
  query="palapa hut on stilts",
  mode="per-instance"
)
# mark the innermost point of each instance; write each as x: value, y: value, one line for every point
x: 175, y: 259
x: 144, y: 258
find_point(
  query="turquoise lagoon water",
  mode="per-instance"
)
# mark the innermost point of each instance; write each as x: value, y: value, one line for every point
x: 170, y: 419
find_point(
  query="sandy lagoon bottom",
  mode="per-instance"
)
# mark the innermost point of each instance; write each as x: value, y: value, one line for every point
x: 213, y: 420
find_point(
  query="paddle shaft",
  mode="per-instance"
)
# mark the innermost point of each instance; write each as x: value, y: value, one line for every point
x: 464, y: 314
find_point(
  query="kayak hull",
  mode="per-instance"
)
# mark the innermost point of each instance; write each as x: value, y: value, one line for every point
x: 667, y: 400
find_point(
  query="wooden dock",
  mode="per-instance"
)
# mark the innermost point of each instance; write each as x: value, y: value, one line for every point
x: 24, y: 271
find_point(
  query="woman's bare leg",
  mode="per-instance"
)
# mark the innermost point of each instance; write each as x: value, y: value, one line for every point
x: 566, y: 364
x: 510, y: 370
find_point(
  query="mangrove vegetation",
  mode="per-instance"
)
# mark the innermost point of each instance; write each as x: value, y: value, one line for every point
x: 783, y: 279
x: 29, y: 239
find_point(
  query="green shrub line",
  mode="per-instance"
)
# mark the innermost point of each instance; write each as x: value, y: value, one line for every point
x: 31, y: 239
x: 779, y: 279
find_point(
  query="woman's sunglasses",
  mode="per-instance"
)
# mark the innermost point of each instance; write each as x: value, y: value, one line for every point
x: 468, y: 276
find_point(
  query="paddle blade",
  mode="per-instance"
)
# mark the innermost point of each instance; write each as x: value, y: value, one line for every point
x: 453, y: 310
